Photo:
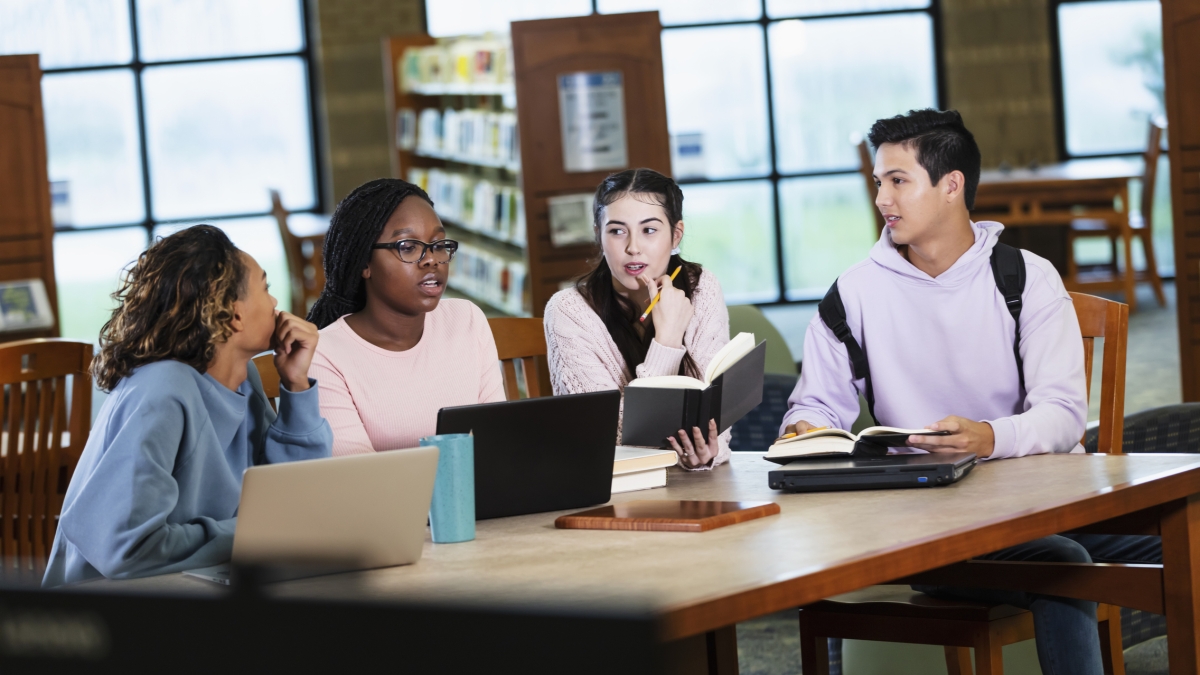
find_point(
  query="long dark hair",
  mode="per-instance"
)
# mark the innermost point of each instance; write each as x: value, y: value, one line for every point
x: 620, y: 316
x: 174, y: 303
x: 356, y: 225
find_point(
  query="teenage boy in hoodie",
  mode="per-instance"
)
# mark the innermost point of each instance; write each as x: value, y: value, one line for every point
x: 938, y: 338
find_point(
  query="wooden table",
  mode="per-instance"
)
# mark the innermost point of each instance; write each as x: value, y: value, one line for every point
x: 820, y: 545
x: 1058, y: 194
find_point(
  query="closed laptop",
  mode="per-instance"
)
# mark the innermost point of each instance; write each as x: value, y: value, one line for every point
x: 891, y: 471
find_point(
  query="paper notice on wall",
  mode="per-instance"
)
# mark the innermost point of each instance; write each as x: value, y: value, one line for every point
x: 571, y: 219
x: 592, y: 113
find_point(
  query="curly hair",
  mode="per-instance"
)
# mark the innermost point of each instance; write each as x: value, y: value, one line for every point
x: 175, y: 302
x: 356, y: 224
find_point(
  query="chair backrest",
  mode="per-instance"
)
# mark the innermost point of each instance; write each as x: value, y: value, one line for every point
x: 750, y: 319
x: 1100, y: 318
x: 265, y: 363
x: 306, y: 272
x: 45, y: 429
x: 522, y: 341
x: 1150, y: 172
x: 866, y: 166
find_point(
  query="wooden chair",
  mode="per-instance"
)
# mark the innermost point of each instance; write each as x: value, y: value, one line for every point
x: 265, y: 363
x: 45, y: 429
x: 866, y: 166
x: 1138, y: 224
x: 896, y: 613
x: 523, y: 341
x: 305, y: 260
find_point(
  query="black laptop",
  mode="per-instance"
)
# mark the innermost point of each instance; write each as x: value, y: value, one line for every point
x: 539, y: 454
x: 871, y: 473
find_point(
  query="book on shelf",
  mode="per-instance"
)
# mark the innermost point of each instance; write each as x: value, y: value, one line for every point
x: 658, y: 407
x: 830, y: 442
x: 491, y: 278
x: 406, y: 129
x: 492, y: 209
x: 480, y: 61
x: 481, y: 137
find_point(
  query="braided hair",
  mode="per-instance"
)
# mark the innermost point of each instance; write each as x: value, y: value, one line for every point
x: 620, y: 316
x: 356, y: 225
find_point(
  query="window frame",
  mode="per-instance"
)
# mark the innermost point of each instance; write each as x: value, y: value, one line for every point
x: 1056, y: 83
x: 774, y: 176
x: 136, y: 66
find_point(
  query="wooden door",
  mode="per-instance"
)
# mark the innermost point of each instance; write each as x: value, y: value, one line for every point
x: 26, y: 229
x: 1181, y: 59
x: 544, y: 50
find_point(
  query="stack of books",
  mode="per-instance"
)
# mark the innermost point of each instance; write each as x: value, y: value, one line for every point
x: 641, y: 468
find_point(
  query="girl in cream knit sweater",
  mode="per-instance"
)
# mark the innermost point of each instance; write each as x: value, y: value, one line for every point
x: 594, y: 338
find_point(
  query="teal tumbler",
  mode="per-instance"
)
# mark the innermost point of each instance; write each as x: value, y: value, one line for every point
x: 452, y: 511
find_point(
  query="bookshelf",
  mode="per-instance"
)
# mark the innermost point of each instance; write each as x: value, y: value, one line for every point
x: 476, y: 122
x: 453, y: 132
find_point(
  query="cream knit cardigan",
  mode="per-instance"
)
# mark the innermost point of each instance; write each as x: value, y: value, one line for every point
x: 584, y: 358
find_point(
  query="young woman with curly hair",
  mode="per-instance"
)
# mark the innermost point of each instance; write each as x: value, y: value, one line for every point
x: 392, y: 351
x: 594, y: 338
x: 157, y: 486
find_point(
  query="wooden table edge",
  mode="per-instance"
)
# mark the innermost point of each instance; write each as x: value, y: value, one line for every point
x: 808, y: 586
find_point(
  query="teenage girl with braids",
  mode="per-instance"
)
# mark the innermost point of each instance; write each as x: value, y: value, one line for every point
x: 593, y: 335
x: 392, y: 352
x: 158, y: 483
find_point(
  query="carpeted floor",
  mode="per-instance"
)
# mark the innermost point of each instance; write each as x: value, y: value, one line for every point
x: 771, y: 645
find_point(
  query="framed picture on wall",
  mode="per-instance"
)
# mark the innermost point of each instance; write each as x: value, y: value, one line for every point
x: 24, y: 305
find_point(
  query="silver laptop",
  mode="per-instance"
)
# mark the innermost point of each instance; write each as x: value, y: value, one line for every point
x: 340, y: 514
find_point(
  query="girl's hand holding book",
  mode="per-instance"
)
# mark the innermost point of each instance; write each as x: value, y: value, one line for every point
x: 695, y: 452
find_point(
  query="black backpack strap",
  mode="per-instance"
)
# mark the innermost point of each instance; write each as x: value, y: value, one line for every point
x: 833, y: 313
x: 1008, y: 267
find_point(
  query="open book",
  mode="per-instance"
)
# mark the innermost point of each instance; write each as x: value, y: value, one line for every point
x: 658, y: 407
x: 730, y: 354
x: 872, y: 441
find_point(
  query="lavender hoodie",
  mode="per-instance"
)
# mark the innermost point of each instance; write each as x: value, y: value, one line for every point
x: 943, y: 346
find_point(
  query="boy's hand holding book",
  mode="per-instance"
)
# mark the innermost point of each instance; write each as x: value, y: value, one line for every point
x: 800, y: 427
x: 965, y: 436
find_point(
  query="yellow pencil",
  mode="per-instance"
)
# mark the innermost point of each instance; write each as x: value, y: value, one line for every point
x: 658, y: 295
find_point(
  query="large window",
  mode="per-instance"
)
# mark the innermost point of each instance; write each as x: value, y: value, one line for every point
x: 1110, y: 68
x: 766, y: 100
x: 162, y: 113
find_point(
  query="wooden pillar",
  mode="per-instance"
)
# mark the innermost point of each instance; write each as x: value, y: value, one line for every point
x: 629, y: 44
x: 1181, y: 60
x: 26, y: 228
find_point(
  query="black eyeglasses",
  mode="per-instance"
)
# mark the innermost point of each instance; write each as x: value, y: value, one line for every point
x: 413, y: 250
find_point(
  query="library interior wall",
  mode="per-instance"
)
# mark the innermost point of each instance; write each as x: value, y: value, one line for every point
x: 997, y: 64
x: 351, y: 95
x: 996, y: 58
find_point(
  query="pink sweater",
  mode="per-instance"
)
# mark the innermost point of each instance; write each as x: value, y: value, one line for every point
x: 375, y: 399
x: 583, y: 356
